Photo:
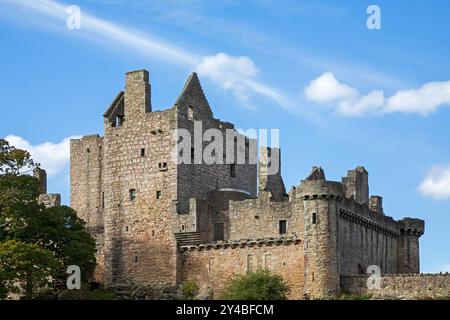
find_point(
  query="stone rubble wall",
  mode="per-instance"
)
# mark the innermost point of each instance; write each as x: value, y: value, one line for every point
x: 406, y: 286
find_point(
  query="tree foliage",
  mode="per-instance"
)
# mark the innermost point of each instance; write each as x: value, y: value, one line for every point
x: 52, y: 233
x: 259, y: 285
x: 25, y: 267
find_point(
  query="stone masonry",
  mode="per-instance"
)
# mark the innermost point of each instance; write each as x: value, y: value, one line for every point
x: 158, y: 222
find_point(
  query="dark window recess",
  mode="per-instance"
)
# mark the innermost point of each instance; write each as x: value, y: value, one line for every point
x: 126, y: 228
x: 132, y: 194
x: 162, y: 166
x: 103, y: 200
x: 282, y: 226
x: 182, y: 227
x: 135, y: 259
x: 191, y: 113
x: 88, y: 150
x: 314, y: 218
x: 218, y: 231
x: 142, y: 152
x: 232, y: 170
x: 158, y: 194
x: 153, y: 233
x: 192, y: 155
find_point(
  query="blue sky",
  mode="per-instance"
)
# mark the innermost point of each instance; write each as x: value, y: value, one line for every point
x: 342, y: 95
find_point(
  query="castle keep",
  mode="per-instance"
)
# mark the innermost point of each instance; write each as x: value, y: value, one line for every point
x: 158, y: 221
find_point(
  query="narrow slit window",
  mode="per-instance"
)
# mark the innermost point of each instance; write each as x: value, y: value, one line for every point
x: 158, y: 194
x: 142, y: 152
x: 314, y: 218
x: 192, y: 155
x: 232, y: 170
x: 132, y: 194
x: 103, y: 200
x: 282, y: 227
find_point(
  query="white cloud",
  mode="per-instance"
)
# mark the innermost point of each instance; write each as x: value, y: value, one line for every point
x: 53, y: 157
x: 230, y: 73
x: 423, y: 101
x: 238, y: 76
x: 326, y: 88
x: 436, y: 183
x: 347, y: 101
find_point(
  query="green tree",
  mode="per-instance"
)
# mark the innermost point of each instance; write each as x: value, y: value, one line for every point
x: 26, y: 268
x: 259, y: 285
x: 57, y: 230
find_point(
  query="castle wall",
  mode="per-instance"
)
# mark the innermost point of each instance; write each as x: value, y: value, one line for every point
x: 210, y: 267
x: 139, y: 243
x: 260, y: 218
x: 366, y: 238
x: 86, y: 171
x: 406, y: 286
x: 198, y: 179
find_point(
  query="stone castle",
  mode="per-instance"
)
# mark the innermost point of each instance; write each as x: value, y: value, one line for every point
x: 156, y: 221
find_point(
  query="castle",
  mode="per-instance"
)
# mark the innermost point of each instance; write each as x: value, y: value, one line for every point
x: 158, y: 221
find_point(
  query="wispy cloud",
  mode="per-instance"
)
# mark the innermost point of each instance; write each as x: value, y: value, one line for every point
x: 347, y: 101
x: 237, y: 75
x: 53, y: 157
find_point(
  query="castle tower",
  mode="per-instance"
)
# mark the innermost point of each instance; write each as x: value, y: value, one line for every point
x: 269, y: 173
x: 320, y: 202
x: 408, y: 249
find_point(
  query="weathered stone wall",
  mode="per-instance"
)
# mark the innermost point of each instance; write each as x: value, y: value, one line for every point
x: 50, y: 199
x: 196, y: 180
x: 366, y: 238
x: 211, y: 266
x: 86, y: 192
x: 260, y: 218
x: 139, y: 193
x: 407, y: 286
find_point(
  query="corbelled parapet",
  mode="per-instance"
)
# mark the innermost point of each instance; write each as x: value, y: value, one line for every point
x: 412, y: 226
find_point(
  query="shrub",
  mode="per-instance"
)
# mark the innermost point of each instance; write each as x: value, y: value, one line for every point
x: 190, y: 290
x: 102, y: 294
x: 259, y: 285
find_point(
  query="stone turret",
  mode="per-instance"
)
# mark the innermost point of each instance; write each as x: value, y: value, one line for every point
x: 320, y: 220
x: 408, y: 249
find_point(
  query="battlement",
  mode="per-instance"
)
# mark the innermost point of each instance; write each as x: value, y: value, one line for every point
x: 412, y: 226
